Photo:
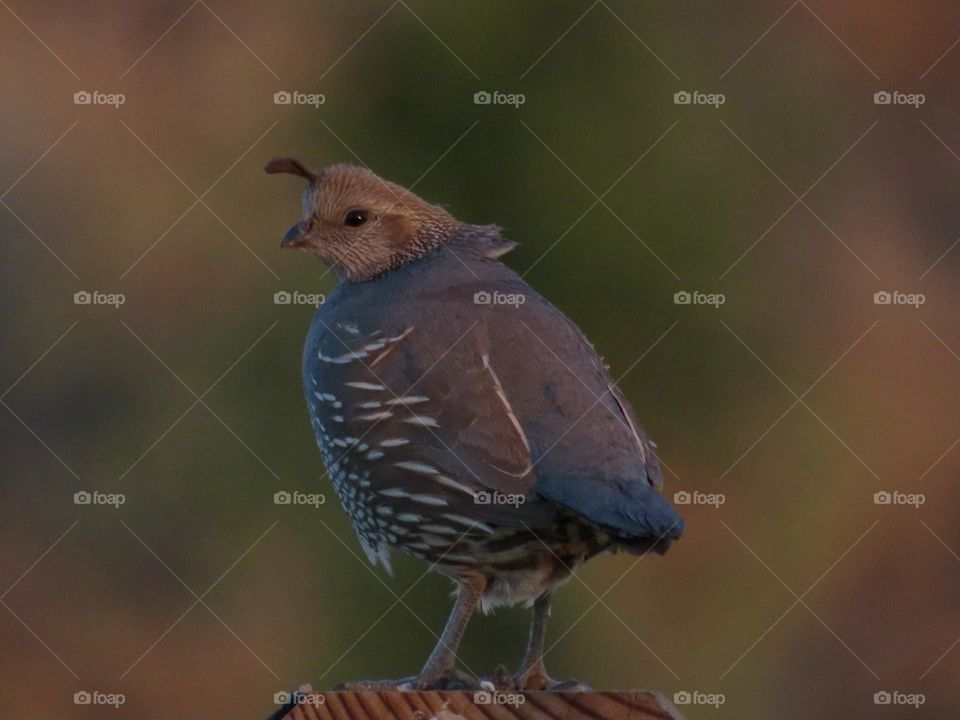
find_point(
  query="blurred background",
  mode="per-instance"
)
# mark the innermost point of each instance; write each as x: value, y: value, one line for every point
x: 792, y: 195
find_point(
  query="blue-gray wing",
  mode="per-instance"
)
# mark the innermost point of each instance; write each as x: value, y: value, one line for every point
x: 419, y: 417
x: 481, y: 399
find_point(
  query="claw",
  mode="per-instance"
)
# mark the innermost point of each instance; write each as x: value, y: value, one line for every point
x: 537, y: 679
x: 534, y: 678
x: 503, y: 680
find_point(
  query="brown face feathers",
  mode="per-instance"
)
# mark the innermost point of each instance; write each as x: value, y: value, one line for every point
x: 362, y: 225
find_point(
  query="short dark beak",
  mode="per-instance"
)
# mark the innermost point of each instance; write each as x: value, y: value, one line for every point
x: 294, y: 237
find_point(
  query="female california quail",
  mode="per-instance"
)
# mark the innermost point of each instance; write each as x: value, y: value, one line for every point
x: 487, y: 439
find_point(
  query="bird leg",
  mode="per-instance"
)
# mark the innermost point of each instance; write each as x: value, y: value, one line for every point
x: 440, y: 671
x: 532, y: 674
x: 440, y: 666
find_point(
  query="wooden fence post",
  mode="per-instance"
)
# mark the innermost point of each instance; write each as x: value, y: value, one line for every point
x: 306, y: 704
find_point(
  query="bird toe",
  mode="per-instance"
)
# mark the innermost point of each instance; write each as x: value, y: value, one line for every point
x: 377, y: 685
x: 574, y: 686
x: 452, y: 679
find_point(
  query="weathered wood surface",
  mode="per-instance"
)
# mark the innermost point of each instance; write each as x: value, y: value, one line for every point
x: 472, y: 706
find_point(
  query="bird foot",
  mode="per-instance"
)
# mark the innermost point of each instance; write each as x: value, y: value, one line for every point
x: 537, y: 679
x: 500, y: 680
x: 452, y: 679
x: 456, y: 679
x: 375, y: 685
x: 570, y: 686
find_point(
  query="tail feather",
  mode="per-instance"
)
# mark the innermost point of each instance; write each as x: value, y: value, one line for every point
x: 635, y: 514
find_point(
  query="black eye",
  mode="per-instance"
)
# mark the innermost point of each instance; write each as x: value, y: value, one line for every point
x: 355, y: 218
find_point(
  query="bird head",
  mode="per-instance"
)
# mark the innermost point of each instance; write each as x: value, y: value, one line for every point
x: 360, y: 224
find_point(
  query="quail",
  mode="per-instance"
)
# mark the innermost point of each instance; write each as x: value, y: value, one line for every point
x: 462, y: 418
